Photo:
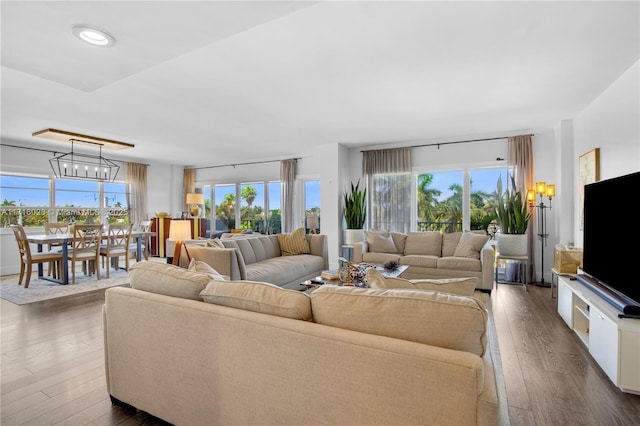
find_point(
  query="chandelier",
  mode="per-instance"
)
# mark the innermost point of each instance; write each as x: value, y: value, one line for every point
x: 75, y: 165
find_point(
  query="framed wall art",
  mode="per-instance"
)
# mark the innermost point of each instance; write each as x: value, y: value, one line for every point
x: 589, y: 169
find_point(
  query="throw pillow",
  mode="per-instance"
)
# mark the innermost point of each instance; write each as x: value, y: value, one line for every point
x: 429, y: 317
x: 166, y: 279
x: 470, y: 245
x: 457, y: 286
x: 294, y: 243
x: 380, y: 242
x: 259, y: 297
x: 205, y: 268
x: 215, y: 242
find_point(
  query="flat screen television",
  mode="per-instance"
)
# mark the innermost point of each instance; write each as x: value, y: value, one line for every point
x: 611, y: 249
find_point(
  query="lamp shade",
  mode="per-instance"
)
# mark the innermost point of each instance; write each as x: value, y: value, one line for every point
x: 541, y: 188
x: 195, y: 198
x: 180, y: 230
x: 531, y: 196
x: 551, y: 191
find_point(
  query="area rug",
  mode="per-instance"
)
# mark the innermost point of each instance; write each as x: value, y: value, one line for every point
x: 40, y: 290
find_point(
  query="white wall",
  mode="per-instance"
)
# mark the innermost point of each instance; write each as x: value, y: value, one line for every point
x: 612, y: 123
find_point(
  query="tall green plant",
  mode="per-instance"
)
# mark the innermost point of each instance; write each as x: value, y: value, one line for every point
x: 512, y: 212
x: 355, y: 208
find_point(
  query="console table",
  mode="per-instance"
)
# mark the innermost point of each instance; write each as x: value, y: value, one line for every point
x: 522, y: 260
x: 161, y: 227
x: 613, y: 342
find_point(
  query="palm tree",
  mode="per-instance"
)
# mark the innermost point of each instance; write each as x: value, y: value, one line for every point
x: 249, y: 194
x: 427, y: 198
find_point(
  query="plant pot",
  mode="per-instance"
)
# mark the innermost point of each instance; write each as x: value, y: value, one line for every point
x: 512, y: 244
x: 352, y: 236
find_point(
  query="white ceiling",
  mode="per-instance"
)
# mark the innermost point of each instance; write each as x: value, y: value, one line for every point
x: 214, y: 82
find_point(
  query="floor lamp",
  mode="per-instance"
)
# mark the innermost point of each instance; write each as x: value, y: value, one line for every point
x: 542, y: 189
x: 179, y: 231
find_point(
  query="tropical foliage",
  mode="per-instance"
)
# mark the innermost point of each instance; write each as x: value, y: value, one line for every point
x: 512, y: 212
x: 436, y: 214
x: 355, y: 208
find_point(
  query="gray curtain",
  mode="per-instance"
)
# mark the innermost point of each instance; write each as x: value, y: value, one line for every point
x: 287, y: 179
x: 135, y: 175
x: 520, y: 163
x: 388, y: 178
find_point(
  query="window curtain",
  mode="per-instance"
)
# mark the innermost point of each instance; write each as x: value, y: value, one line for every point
x: 135, y: 176
x: 287, y: 179
x: 388, y: 178
x: 520, y: 163
x: 188, y: 186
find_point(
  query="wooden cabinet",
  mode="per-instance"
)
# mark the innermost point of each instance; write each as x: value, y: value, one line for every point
x: 613, y: 342
x: 162, y: 226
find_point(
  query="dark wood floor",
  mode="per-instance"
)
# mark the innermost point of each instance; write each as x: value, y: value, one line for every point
x: 52, y: 368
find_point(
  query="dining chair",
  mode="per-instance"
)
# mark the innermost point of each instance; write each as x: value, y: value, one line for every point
x: 118, y: 244
x: 27, y: 259
x: 85, y: 247
x: 145, y: 226
x: 55, y: 228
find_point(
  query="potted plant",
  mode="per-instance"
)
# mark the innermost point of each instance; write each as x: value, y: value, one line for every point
x: 512, y: 215
x: 355, y: 213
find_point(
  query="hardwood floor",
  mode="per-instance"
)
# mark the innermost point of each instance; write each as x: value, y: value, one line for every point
x: 52, y: 368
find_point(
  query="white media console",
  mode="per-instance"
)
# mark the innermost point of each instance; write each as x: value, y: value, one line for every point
x: 613, y: 342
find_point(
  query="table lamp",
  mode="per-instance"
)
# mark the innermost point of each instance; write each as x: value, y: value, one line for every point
x: 194, y: 200
x: 179, y: 231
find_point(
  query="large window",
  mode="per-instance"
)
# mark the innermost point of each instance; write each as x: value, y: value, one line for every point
x: 33, y: 201
x: 255, y: 206
x: 454, y: 200
x: 25, y: 200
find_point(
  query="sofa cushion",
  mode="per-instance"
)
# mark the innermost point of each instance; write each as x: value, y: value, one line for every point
x: 420, y: 260
x: 399, y: 240
x: 429, y: 243
x: 429, y: 317
x: 259, y: 297
x: 470, y: 245
x: 380, y: 242
x: 450, y: 242
x: 205, y: 268
x: 460, y: 263
x: 282, y: 270
x: 380, y: 258
x: 166, y: 279
x: 293, y: 243
x: 459, y: 286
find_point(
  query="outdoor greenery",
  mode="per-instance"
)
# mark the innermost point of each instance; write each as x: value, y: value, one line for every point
x: 512, y: 210
x: 446, y: 215
x: 355, y: 208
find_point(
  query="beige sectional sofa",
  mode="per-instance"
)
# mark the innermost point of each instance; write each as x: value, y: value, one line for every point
x: 431, y: 254
x: 257, y: 257
x: 196, y: 351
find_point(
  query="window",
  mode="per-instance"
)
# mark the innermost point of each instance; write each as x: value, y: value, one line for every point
x: 225, y: 207
x: 33, y: 201
x: 274, y: 205
x: 454, y: 200
x: 252, y: 207
x: 115, y: 202
x: 77, y: 201
x: 312, y: 206
x: 439, y: 198
x: 25, y: 200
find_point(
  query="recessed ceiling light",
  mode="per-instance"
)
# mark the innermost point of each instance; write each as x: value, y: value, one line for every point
x: 94, y: 36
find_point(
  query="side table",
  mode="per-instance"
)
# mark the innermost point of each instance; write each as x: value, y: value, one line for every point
x: 524, y: 262
x: 347, y: 252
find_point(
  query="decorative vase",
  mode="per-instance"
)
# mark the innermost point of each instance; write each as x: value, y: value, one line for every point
x: 352, y: 236
x: 512, y: 244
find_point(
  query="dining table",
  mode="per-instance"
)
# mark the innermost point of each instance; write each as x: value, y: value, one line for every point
x: 64, y: 239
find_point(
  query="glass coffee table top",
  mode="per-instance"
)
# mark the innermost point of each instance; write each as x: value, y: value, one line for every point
x: 392, y: 273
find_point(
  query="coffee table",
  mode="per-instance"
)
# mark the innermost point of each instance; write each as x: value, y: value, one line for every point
x: 318, y: 281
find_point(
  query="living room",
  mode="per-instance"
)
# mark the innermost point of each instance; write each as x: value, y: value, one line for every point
x: 605, y: 117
